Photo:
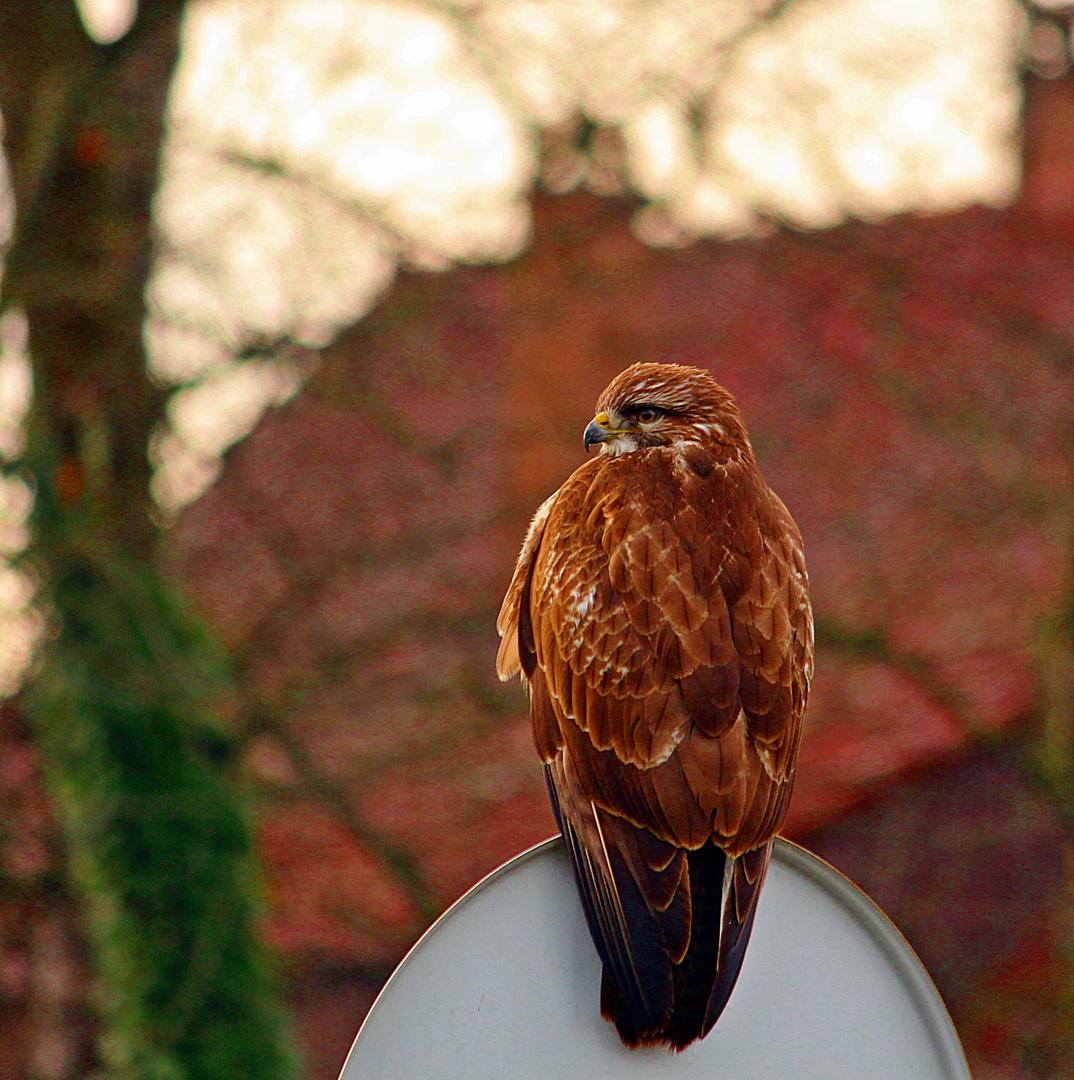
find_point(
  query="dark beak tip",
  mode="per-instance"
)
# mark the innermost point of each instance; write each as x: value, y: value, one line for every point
x: 594, y: 433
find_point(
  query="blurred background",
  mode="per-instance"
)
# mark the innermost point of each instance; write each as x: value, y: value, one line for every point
x: 305, y: 304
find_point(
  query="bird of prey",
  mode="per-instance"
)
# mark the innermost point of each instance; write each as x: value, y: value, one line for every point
x: 659, y: 613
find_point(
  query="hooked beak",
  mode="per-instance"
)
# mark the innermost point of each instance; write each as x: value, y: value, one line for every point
x: 600, y: 430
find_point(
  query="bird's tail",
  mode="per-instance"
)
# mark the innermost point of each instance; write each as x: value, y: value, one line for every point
x: 671, y: 925
x: 723, y: 903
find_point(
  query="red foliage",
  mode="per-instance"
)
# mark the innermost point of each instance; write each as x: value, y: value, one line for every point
x: 329, y: 894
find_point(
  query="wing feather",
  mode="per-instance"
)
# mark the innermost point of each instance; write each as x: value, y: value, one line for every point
x: 507, y: 658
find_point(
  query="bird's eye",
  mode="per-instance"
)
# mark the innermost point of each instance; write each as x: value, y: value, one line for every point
x: 647, y: 415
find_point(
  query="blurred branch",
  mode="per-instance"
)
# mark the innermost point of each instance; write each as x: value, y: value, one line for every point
x: 1053, y: 753
x: 378, y: 216
x: 873, y: 645
x: 493, y: 63
x: 399, y: 863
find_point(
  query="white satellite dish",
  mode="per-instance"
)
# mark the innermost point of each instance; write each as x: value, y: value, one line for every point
x: 506, y: 986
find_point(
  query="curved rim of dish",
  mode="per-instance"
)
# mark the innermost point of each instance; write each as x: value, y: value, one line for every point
x: 887, y: 936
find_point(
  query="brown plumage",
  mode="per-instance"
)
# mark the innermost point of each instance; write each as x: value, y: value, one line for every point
x: 660, y: 617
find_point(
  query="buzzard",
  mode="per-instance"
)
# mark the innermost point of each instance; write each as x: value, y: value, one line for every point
x: 659, y: 614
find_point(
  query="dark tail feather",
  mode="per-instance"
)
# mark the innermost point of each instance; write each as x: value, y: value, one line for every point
x: 747, y: 877
x: 635, y: 939
x: 720, y: 930
x: 695, y: 976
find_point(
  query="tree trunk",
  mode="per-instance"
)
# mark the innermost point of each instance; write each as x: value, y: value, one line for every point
x: 157, y: 845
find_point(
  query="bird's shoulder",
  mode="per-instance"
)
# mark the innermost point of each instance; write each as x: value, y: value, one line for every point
x: 663, y: 521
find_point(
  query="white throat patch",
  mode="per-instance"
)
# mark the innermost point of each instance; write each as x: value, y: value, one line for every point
x: 621, y: 444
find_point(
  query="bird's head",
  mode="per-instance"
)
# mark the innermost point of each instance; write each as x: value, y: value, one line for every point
x: 664, y: 405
